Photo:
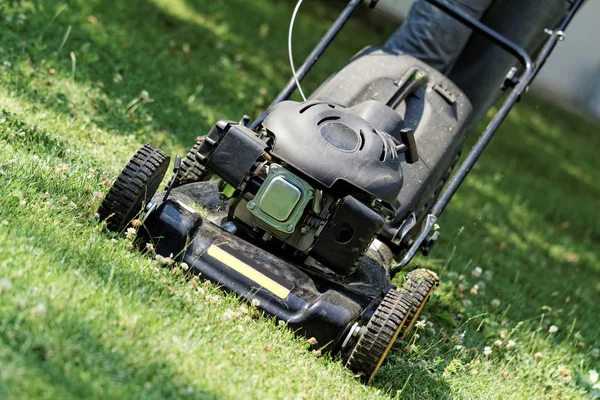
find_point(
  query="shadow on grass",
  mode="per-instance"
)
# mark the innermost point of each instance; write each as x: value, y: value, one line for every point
x: 107, y: 372
x: 200, y: 61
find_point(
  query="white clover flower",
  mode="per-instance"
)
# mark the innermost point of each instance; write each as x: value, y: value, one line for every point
x: 476, y: 273
x: 136, y: 223
x: 474, y: 290
x: 97, y: 197
x: 487, y: 351
x: 420, y: 324
x: 467, y: 303
x: 164, y: 260
x: 488, y: 275
x: 595, y: 353
x: 39, y: 310
x: 495, y: 303
x: 5, y: 285
x: 538, y: 355
x: 150, y: 247
x: 130, y: 233
x: 553, y: 329
x: 498, y: 343
x: 255, y: 303
x: 510, y: 344
x: 562, y: 370
x: 184, y: 266
x: 452, y: 275
x: 593, y: 376
x: 212, y: 298
x: 145, y: 96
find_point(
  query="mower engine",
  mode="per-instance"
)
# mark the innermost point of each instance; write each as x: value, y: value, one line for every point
x: 317, y: 178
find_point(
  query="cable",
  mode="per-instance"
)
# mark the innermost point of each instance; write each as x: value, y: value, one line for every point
x: 290, y: 34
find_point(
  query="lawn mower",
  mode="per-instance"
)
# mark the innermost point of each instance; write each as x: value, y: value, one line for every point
x: 313, y: 208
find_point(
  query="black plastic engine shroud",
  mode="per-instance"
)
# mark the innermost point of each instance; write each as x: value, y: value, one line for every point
x: 336, y: 149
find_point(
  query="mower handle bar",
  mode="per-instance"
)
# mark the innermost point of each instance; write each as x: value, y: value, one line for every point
x: 525, y: 80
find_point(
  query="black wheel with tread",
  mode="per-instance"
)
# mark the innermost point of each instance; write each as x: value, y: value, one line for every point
x: 191, y: 170
x: 134, y: 187
x: 418, y: 286
x: 377, y: 337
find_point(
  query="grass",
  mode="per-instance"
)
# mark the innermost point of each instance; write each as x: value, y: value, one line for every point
x: 84, y: 316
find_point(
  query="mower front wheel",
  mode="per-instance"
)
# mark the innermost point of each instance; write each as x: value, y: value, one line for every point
x: 134, y: 187
x: 377, y: 337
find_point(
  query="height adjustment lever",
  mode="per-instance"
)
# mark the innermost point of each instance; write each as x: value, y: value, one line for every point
x: 408, y: 146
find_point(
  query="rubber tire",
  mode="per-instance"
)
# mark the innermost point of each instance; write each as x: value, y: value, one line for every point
x: 134, y: 187
x: 378, y: 336
x: 418, y: 286
x: 191, y: 170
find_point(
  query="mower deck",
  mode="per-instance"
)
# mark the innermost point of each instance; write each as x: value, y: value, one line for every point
x: 314, y: 302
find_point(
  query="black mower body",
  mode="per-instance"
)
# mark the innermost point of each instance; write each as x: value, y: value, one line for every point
x: 332, y: 141
x: 313, y: 303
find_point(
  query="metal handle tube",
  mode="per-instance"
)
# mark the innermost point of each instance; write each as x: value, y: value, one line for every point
x: 312, y: 58
x: 485, y: 30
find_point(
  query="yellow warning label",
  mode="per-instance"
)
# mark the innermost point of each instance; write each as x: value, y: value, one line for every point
x: 249, y: 272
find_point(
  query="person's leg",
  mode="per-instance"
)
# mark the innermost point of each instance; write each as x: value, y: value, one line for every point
x: 433, y: 36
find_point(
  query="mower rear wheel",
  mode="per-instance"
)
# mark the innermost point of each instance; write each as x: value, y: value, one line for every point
x: 418, y: 286
x: 380, y: 333
x: 134, y: 187
x: 191, y: 170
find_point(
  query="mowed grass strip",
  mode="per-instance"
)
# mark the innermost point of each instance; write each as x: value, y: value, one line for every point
x: 85, y: 83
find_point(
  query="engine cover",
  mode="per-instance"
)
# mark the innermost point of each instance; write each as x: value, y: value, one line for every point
x: 335, y: 148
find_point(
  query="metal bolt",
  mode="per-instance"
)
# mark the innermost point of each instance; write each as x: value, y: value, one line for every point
x: 354, y: 331
x: 289, y: 228
x: 251, y: 205
x: 304, y: 230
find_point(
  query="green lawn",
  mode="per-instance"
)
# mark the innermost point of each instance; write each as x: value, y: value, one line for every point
x: 84, y: 316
